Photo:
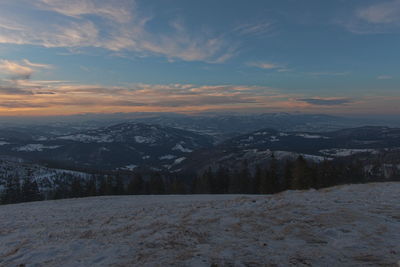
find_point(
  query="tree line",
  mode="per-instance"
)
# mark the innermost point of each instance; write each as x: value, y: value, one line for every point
x: 272, y: 177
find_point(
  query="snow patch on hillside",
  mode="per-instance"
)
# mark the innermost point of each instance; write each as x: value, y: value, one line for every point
x: 179, y: 147
x: 342, y: 152
x: 357, y: 225
x: 169, y: 157
x: 130, y: 167
x: 274, y: 139
x: 179, y: 160
x: 88, y: 138
x: 281, y: 155
x: 311, y: 136
x: 144, y: 140
x: 34, y: 148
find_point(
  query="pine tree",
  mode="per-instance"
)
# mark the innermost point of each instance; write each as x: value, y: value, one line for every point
x: 239, y: 182
x: 103, y: 186
x: 119, y: 185
x: 76, y: 188
x: 91, y: 187
x: 12, y: 192
x: 177, y: 186
x: 157, y: 186
x: 258, y: 176
x: 202, y: 183
x: 135, y: 185
x: 109, y: 185
x: 235, y: 183
x: 220, y: 182
x: 245, y: 179
x: 269, y: 183
x: 287, y: 176
x: 30, y: 190
x: 302, y: 175
x: 274, y: 175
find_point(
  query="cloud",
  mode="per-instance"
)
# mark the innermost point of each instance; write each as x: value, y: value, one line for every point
x: 378, y: 18
x: 16, y: 70
x: 385, y: 77
x: 13, y: 104
x: 13, y: 90
x: 112, y: 25
x: 20, y: 70
x: 382, y: 12
x: 329, y: 73
x: 30, y: 97
x: 37, y: 65
x: 44, y: 96
x: 256, y: 29
x: 268, y: 66
x: 119, y: 11
x: 326, y: 101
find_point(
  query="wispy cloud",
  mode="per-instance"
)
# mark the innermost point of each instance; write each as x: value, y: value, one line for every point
x: 112, y: 25
x: 326, y: 101
x: 257, y: 29
x: 384, y: 77
x: 15, y: 69
x: 37, y: 65
x: 268, y: 66
x: 120, y: 11
x: 20, y: 70
x: 329, y: 73
x: 377, y: 18
x: 382, y: 12
x: 63, y: 97
x: 32, y: 97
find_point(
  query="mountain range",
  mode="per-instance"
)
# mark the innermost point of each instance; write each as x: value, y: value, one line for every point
x: 132, y: 145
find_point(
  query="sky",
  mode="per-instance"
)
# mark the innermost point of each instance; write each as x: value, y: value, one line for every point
x: 103, y: 56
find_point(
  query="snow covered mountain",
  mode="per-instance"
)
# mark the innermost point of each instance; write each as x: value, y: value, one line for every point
x: 219, y: 125
x: 258, y: 146
x: 225, y: 126
x: 123, y: 146
x: 362, y: 138
x: 351, y: 225
x: 128, y: 146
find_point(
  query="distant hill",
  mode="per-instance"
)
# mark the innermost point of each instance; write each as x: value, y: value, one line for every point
x: 257, y: 147
x: 121, y: 146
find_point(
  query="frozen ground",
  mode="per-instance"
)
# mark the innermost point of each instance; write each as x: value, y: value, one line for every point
x: 357, y: 225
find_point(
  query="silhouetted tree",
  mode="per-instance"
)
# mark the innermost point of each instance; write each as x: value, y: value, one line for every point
x: 118, y: 187
x: 287, y: 175
x: 135, y: 185
x: 202, y: 183
x: 91, y: 187
x: 302, y: 175
x: 30, y: 190
x: 258, y: 176
x: 12, y: 192
x: 156, y: 185
x: 177, y: 187
x: 220, y: 183
x: 76, y: 188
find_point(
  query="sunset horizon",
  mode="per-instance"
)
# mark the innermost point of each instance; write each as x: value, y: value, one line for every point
x: 95, y: 56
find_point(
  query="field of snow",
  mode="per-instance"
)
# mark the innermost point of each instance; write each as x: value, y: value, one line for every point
x: 356, y: 225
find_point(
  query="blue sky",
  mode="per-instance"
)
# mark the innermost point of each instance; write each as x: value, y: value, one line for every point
x: 78, y: 56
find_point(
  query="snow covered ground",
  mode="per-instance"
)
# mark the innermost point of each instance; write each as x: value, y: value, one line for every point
x: 356, y: 225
